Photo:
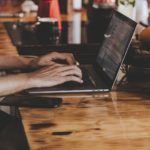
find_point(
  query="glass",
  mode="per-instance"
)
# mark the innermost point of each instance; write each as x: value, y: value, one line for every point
x: 44, y: 6
x: 50, y: 8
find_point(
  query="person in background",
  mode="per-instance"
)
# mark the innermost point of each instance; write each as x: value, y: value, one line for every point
x: 46, y: 72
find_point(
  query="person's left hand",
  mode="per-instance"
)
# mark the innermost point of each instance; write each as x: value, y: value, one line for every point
x: 50, y: 58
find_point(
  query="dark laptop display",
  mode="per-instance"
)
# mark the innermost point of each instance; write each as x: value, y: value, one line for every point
x: 101, y: 75
x: 115, y: 45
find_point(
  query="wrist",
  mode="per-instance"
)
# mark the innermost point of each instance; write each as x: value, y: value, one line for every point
x: 30, y: 80
x: 33, y: 64
x: 33, y: 79
x: 24, y: 79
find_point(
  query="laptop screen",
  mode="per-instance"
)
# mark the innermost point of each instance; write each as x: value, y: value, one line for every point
x: 115, y: 44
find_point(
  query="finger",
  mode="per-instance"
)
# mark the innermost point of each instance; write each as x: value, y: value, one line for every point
x: 53, y: 70
x: 52, y: 66
x: 60, y: 71
x: 64, y: 56
x: 71, y: 72
x: 56, y: 65
x: 46, y: 59
x: 67, y: 67
x: 48, y: 63
x: 72, y: 78
x: 70, y: 59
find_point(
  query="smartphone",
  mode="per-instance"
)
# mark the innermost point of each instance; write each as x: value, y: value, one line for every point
x: 31, y: 101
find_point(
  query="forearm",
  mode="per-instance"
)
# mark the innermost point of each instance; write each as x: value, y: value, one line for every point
x: 13, y: 83
x: 16, y: 62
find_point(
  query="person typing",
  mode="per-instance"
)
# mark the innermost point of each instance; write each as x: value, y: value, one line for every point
x: 47, y: 72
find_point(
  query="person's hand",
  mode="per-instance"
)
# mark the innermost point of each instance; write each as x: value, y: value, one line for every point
x: 50, y: 58
x: 54, y: 75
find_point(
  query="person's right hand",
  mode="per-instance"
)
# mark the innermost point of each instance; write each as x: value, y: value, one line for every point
x: 54, y: 75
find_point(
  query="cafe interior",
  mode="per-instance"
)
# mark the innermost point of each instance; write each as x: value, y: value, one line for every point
x: 108, y: 45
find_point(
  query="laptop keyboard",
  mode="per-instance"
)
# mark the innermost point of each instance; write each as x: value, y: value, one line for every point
x: 87, y: 81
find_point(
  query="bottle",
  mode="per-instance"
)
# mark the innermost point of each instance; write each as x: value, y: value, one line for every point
x: 74, y: 35
x: 77, y: 5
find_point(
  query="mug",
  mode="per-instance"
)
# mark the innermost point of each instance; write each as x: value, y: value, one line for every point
x: 47, y: 30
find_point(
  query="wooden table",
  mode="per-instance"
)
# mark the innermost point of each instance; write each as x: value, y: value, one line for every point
x: 106, y: 121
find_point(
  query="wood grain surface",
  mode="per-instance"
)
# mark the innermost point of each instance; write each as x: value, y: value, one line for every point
x: 107, y: 121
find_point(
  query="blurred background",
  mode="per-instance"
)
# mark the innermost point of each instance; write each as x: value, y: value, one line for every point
x: 96, y: 13
x: 132, y: 8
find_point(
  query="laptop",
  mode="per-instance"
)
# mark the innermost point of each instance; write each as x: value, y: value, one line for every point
x: 101, y: 75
